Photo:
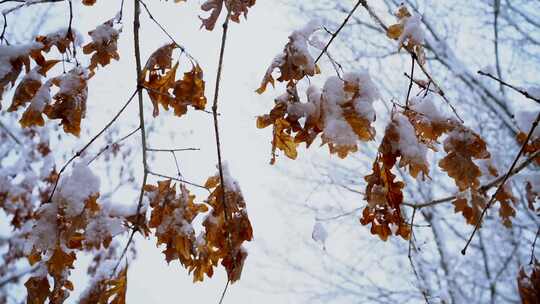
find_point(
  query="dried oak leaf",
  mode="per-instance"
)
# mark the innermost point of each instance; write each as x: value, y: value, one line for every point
x: 462, y: 146
x: 189, y: 91
x: 506, y: 210
x: 384, y: 197
x: 470, y: 203
x: 70, y: 100
x: 37, y: 289
x: 528, y: 281
x: 88, y: 2
x: 172, y: 216
x: 532, y: 146
x: 116, y: 289
x: 226, y: 228
x: 104, y: 45
x: 29, y: 85
x: 236, y: 7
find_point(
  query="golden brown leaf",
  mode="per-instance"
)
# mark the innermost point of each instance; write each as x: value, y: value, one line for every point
x: 462, y: 146
x: 529, y: 284
x: 37, y: 289
x: 103, y: 47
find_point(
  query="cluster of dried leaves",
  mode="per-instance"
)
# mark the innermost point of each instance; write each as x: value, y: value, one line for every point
x: 159, y: 79
x: 34, y: 92
x: 226, y: 227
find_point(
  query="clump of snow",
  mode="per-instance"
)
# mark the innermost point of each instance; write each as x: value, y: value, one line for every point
x: 11, y: 52
x: 230, y: 183
x: 300, y: 41
x: 75, y: 189
x: 319, y: 234
x: 426, y: 107
x: 368, y: 93
x: 408, y: 144
x: 105, y: 33
x: 412, y: 30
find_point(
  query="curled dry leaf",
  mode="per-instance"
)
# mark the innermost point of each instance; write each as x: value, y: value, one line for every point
x: 104, y: 44
x: 236, y: 7
x: 159, y: 76
x: 384, y: 197
x: 225, y: 228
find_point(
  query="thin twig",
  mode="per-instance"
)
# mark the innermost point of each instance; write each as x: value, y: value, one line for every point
x: 218, y: 143
x: 424, y: 70
x: 496, y: 10
x: 181, y: 47
x: 8, y: 132
x: 418, y: 279
x: 506, y: 176
x: 80, y: 151
x: 172, y: 150
x: 177, y: 179
x: 410, y: 81
x: 138, y: 69
x: 334, y: 35
x: 108, y: 146
x: 521, y: 91
x: 534, y: 245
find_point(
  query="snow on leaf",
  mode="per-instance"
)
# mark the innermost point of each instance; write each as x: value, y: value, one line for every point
x: 104, y: 44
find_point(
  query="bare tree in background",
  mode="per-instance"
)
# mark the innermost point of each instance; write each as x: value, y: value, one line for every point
x: 462, y: 37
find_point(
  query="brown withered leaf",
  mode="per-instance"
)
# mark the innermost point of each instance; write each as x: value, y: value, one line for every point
x: 226, y: 228
x: 470, y: 204
x: 236, y: 7
x: 529, y: 283
x: 116, y: 289
x: 60, y: 261
x: 189, y: 91
x: 88, y: 2
x: 172, y: 216
x: 506, y: 210
x: 384, y: 197
x: 462, y: 146
x: 104, y: 44
x: 37, y: 289
x: 283, y: 140
x: 70, y: 101
x: 29, y: 86
x: 293, y: 65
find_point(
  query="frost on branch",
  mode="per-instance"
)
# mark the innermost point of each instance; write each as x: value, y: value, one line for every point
x: 343, y: 113
x: 159, y: 78
x: 408, y: 32
x: 236, y: 7
x: 225, y: 227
